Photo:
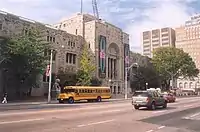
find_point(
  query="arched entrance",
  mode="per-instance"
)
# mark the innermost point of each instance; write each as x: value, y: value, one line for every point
x: 113, y: 60
x: 180, y: 85
x: 185, y: 85
x: 191, y: 85
x: 113, y: 66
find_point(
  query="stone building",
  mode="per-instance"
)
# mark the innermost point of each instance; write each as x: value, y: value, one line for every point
x: 66, y: 46
x: 107, y: 44
x: 188, y: 39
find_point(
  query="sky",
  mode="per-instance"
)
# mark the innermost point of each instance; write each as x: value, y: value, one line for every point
x: 133, y: 16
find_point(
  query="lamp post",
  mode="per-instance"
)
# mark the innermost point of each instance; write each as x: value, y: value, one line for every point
x: 126, y: 79
x: 146, y: 86
x: 50, y: 76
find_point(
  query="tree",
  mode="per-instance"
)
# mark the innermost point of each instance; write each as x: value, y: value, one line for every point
x: 172, y: 63
x: 143, y: 73
x: 84, y: 75
x: 26, y: 54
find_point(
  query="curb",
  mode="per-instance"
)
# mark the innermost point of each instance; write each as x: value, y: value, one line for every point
x: 52, y: 102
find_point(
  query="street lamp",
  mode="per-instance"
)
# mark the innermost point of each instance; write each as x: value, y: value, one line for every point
x: 146, y: 85
x: 126, y: 79
x: 50, y: 74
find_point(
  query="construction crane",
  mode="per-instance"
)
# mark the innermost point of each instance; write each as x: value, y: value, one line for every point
x: 95, y: 9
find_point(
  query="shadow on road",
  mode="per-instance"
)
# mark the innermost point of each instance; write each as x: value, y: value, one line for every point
x: 157, y: 109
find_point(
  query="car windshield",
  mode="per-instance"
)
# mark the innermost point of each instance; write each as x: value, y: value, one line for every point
x: 141, y: 94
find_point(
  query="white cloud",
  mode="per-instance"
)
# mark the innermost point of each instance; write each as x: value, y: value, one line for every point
x: 165, y: 13
x: 133, y: 15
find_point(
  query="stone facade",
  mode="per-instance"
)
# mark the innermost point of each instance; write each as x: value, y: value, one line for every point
x: 113, y: 53
x: 64, y: 44
x: 141, y: 60
x: 67, y: 38
x: 188, y: 39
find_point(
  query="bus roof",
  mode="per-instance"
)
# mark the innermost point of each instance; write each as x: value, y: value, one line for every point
x: 84, y: 87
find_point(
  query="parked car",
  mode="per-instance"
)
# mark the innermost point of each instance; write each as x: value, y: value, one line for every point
x: 149, y: 99
x: 169, y: 97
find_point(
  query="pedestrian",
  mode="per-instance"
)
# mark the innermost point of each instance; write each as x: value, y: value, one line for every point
x: 57, y: 87
x: 4, y: 99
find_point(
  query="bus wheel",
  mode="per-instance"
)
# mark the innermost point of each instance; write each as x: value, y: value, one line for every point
x: 98, y: 99
x: 71, y: 100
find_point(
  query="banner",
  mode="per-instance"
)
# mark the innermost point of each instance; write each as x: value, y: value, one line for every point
x: 126, y: 55
x: 102, y: 56
x: 126, y: 58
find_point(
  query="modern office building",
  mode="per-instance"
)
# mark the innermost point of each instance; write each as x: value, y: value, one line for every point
x: 157, y: 38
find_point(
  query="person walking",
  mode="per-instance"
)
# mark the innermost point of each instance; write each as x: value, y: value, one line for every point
x: 4, y: 99
x: 57, y: 87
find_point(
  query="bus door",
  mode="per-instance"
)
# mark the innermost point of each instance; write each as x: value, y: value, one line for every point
x: 78, y: 94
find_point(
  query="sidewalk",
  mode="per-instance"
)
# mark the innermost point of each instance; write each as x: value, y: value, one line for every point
x: 22, y: 103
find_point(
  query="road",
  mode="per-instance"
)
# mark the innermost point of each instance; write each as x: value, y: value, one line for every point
x: 119, y: 116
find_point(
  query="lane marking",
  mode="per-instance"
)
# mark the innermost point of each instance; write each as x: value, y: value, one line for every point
x: 191, y: 116
x: 187, y: 105
x: 195, y: 115
x: 161, y: 111
x: 95, y: 123
x: 161, y: 127
x: 20, y: 121
x: 63, y: 110
x: 149, y: 131
x: 109, y: 111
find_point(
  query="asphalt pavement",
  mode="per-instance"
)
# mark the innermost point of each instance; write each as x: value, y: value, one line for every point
x: 116, y: 116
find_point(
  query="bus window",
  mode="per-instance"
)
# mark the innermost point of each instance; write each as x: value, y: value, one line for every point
x: 68, y: 90
x: 76, y: 91
x: 86, y: 91
x: 89, y: 91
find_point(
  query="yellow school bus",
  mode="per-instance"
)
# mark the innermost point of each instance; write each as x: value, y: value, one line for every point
x: 89, y: 93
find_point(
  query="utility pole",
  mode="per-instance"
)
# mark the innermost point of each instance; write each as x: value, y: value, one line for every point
x: 126, y: 83
x: 50, y: 76
x: 126, y: 79
x: 81, y: 6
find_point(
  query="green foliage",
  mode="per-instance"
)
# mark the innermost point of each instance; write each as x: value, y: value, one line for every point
x: 26, y: 55
x: 170, y: 61
x: 84, y: 75
x: 144, y: 74
x: 4, y: 56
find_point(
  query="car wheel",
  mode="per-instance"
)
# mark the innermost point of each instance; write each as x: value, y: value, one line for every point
x: 153, y: 106
x: 136, y: 107
x: 71, y: 100
x: 165, y: 105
